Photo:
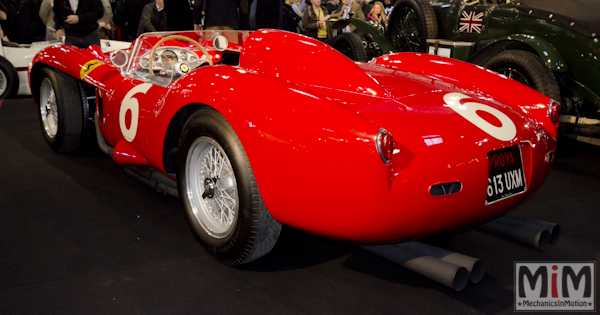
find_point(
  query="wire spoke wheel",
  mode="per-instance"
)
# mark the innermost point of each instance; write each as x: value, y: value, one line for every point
x: 526, y: 68
x: 211, y: 187
x: 406, y: 30
x: 48, y: 108
x: 514, y: 74
x: 219, y: 192
x: 411, y: 23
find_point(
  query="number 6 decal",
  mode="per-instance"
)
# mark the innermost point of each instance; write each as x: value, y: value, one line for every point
x: 131, y: 103
x: 468, y: 110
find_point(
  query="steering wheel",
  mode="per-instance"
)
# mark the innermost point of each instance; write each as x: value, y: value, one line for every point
x: 185, y: 38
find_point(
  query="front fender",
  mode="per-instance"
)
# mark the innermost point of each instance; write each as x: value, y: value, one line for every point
x: 544, y: 49
x: 88, y: 65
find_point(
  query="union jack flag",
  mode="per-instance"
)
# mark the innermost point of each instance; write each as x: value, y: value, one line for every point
x: 471, y: 22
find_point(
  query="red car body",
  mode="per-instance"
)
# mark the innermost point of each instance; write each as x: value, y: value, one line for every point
x: 309, y: 118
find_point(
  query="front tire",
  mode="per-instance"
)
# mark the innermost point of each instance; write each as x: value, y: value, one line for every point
x: 526, y: 68
x: 61, y: 114
x: 220, y: 195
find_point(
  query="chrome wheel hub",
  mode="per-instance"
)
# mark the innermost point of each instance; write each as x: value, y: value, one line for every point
x: 211, y: 187
x: 48, y: 108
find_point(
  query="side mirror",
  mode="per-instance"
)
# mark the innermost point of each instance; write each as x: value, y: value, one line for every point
x: 119, y: 58
x: 220, y: 43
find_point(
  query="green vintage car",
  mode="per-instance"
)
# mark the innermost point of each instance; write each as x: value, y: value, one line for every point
x: 550, y: 45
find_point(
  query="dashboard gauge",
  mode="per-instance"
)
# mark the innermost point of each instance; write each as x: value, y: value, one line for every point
x: 155, y: 57
x: 184, y: 68
x: 193, y: 58
x: 183, y: 56
x: 144, y: 62
x: 168, y: 55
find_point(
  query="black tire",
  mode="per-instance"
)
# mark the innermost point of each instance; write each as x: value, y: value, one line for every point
x: 61, y: 114
x: 350, y: 44
x: 411, y: 23
x: 251, y: 231
x: 9, y: 79
x: 526, y: 68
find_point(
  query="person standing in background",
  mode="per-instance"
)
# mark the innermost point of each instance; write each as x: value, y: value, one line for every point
x: 388, y: 7
x: 47, y: 17
x: 377, y: 13
x: 315, y: 20
x: 106, y: 25
x: 269, y: 13
x: 221, y: 14
x: 291, y: 20
x: 153, y: 18
x: 180, y: 14
x: 347, y: 7
x: 78, y: 21
x: 29, y: 25
x: 127, y: 16
x: 333, y: 6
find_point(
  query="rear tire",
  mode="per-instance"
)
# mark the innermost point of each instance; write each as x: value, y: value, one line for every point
x: 350, y: 44
x: 61, y: 115
x: 219, y: 192
x: 411, y: 23
x: 9, y: 79
x: 526, y: 68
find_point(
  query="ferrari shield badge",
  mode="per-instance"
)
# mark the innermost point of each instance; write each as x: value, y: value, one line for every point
x: 88, y: 67
x: 471, y: 22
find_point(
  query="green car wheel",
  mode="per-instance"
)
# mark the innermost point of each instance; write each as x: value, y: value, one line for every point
x: 411, y: 23
x: 526, y: 68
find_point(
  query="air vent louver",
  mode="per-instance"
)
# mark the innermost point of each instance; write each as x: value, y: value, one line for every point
x: 445, y: 189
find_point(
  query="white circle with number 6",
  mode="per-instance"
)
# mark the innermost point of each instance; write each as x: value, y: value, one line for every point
x: 131, y: 103
x: 468, y: 110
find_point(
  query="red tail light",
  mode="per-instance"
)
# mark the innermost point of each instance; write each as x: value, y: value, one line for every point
x: 554, y: 111
x: 385, y: 145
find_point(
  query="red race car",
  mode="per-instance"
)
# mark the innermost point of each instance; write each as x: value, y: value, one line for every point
x: 253, y: 130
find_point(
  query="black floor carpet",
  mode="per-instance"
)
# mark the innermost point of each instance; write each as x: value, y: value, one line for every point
x: 79, y: 236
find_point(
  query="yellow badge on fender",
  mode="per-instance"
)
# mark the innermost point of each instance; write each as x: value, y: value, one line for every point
x: 89, y: 66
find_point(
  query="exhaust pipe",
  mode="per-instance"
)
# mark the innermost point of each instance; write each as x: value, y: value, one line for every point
x: 527, y: 231
x: 474, y: 266
x: 443, y: 272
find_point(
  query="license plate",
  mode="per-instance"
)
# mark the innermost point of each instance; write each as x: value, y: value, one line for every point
x: 506, y: 176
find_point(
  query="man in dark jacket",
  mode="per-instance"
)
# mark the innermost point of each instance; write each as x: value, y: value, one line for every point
x: 29, y: 25
x: 78, y: 21
x: 180, y: 15
x: 221, y: 14
x: 153, y: 18
x: 127, y: 16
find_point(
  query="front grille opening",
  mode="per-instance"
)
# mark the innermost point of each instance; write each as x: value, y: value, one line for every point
x: 445, y: 189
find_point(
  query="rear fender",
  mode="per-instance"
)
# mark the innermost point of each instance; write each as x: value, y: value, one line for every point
x: 476, y: 79
x: 287, y: 132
